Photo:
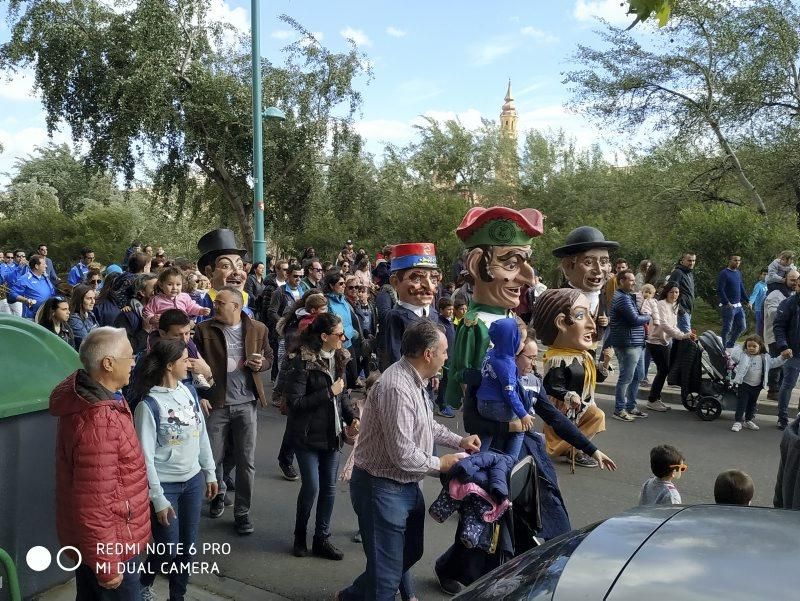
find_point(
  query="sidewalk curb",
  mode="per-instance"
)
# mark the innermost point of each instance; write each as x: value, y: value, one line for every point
x: 670, y: 397
x: 234, y: 589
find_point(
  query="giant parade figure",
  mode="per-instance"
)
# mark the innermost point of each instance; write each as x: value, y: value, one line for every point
x: 498, y: 240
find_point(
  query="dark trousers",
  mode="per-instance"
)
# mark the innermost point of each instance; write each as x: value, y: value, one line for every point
x: 733, y: 324
x: 186, y: 499
x: 242, y: 421
x: 89, y: 589
x: 746, y: 399
x: 318, y: 471
x: 775, y: 375
x: 391, y: 519
x: 286, y: 452
x: 660, y: 356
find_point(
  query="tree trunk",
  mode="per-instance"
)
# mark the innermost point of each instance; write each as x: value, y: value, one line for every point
x: 737, y: 167
x: 220, y: 175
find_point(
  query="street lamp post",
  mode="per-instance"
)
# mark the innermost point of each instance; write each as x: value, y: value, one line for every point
x: 259, y: 243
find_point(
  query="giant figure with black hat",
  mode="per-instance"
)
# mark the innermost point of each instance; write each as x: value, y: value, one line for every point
x: 499, y: 243
x: 413, y: 272
x: 221, y: 261
x: 587, y: 266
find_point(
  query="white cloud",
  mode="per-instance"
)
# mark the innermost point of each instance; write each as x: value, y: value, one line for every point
x: 538, y: 35
x: 357, y: 35
x: 19, y: 143
x: 613, y: 11
x: 281, y: 34
x: 486, y: 54
x: 221, y: 11
x: 470, y: 118
x: 17, y: 86
x: 385, y: 131
x: 395, y: 32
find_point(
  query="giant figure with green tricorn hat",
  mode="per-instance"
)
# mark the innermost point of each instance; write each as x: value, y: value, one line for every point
x: 499, y: 243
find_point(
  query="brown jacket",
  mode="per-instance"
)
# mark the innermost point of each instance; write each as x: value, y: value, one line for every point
x: 210, y: 340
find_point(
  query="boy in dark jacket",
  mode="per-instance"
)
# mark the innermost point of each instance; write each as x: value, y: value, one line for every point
x: 498, y: 398
x: 445, y: 307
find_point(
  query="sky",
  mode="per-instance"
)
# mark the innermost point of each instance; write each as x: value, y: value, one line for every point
x: 438, y: 59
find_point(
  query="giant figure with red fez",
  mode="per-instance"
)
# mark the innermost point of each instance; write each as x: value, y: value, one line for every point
x: 499, y: 243
x: 221, y: 262
x: 413, y: 274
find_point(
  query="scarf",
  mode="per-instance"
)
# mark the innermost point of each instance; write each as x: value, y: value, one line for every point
x: 555, y: 355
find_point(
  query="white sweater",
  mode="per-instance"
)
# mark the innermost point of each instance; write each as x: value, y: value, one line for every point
x: 664, y: 326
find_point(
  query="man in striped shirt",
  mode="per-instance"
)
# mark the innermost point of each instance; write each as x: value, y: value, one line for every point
x: 394, y: 454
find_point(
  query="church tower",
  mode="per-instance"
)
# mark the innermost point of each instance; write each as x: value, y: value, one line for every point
x: 508, y: 116
x: 507, y: 167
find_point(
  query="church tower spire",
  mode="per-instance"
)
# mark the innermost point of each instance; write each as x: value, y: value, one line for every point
x: 508, y: 116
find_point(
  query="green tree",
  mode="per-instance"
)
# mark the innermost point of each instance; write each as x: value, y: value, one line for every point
x: 684, y: 86
x: 158, y: 79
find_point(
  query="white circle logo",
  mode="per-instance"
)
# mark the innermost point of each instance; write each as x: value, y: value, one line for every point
x: 77, y: 561
x: 38, y: 559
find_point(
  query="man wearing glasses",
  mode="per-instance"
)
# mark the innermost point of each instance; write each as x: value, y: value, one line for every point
x: 235, y: 347
x: 7, y: 269
x: 102, y: 496
x: 80, y: 270
x: 313, y: 275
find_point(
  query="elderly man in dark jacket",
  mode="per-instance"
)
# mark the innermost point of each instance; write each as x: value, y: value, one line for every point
x: 787, y: 488
x: 786, y: 327
x: 627, y: 337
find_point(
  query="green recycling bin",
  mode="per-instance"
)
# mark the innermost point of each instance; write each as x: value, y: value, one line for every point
x: 32, y: 362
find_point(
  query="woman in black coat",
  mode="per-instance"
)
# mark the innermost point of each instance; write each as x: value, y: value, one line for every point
x: 313, y: 387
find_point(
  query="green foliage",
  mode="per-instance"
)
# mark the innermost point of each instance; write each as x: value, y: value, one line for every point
x: 718, y: 231
x: 644, y: 9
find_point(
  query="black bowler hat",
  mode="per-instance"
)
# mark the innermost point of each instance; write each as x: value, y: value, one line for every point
x: 215, y: 243
x: 582, y: 239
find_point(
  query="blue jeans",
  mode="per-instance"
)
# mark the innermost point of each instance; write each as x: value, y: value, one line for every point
x: 733, y: 324
x: 89, y: 589
x: 791, y: 369
x: 186, y: 499
x: 318, y: 470
x: 391, y: 518
x: 684, y: 321
x: 760, y: 323
x: 500, y: 412
x: 631, y: 372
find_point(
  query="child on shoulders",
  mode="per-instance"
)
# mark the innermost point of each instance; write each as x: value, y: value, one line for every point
x: 780, y: 268
x: 169, y: 296
x: 498, y: 398
x: 667, y: 464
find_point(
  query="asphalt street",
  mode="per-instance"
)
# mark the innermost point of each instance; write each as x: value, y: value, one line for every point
x: 264, y: 559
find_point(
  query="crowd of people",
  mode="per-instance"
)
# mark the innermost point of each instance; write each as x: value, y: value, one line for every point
x: 178, y: 356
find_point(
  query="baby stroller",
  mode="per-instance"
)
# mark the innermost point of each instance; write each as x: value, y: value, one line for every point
x: 716, y: 391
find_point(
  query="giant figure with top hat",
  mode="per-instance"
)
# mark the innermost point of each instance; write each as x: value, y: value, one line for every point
x: 498, y: 240
x: 221, y: 262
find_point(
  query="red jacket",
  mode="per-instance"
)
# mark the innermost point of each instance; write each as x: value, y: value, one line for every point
x: 102, y: 502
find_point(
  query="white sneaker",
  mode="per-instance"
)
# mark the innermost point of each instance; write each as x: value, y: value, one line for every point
x: 657, y: 406
x: 736, y: 427
x: 751, y: 425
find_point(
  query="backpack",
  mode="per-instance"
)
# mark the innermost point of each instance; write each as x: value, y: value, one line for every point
x: 152, y: 404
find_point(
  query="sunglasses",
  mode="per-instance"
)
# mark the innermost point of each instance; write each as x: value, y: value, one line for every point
x: 339, y: 284
x: 341, y: 336
x: 20, y: 256
x: 95, y: 281
x: 8, y: 257
x: 356, y: 288
x: 679, y: 466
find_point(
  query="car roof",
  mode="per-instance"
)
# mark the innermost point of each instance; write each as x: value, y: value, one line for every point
x: 692, y: 553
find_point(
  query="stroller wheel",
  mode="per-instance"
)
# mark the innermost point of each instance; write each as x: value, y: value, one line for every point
x: 690, y: 401
x: 709, y: 408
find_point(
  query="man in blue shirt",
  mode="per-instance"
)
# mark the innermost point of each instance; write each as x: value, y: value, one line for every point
x: 732, y: 295
x: 80, y: 270
x: 32, y: 288
x: 9, y: 274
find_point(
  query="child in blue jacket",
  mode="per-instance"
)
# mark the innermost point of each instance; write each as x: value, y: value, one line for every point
x: 498, y: 398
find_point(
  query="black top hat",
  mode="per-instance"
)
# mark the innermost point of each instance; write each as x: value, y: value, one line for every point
x: 215, y: 243
x: 582, y: 239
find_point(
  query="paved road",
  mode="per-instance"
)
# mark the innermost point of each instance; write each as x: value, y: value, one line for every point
x: 263, y: 560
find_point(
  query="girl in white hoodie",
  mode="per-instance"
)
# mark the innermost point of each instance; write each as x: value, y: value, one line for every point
x: 753, y: 363
x: 177, y: 454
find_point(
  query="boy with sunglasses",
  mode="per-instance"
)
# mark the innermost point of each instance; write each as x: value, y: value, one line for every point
x: 667, y: 464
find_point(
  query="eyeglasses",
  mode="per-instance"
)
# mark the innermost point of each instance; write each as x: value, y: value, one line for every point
x: 95, y: 282
x: 339, y: 284
x: 59, y: 299
x: 355, y: 287
x: 316, y: 269
x: 528, y: 357
x: 9, y: 257
x: 679, y: 466
x: 341, y: 336
x: 20, y: 256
